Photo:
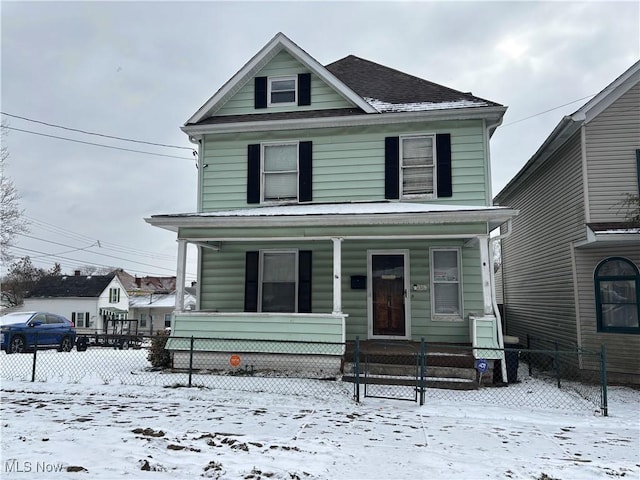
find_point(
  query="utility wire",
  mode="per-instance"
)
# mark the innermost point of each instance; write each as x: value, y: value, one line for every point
x: 95, y: 133
x: 95, y: 253
x: 95, y: 144
x: 79, y: 263
x: 106, y: 245
x: 547, y: 111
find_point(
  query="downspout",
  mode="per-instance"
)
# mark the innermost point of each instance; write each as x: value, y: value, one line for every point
x: 494, y: 298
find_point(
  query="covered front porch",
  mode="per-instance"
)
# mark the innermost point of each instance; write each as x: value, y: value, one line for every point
x: 358, y: 270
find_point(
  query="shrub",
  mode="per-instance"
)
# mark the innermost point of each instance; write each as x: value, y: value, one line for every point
x: 158, y: 355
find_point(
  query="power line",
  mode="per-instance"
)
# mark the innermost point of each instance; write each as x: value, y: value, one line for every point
x: 95, y: 253
x: 95, y: 144
x: 95, y: 133
x: 106, y: 245
x: 547, y: 111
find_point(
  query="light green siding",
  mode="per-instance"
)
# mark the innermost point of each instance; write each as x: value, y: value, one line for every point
x: 222, y: 283
x: 322, y: 96
x: 348, y: 163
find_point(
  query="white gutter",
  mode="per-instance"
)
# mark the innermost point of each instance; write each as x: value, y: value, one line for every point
x: 494, y: 299
x: 260, y: 124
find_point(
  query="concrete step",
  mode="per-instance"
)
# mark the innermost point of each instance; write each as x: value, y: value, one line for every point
x: 432, y: 382
x: 413, y: 371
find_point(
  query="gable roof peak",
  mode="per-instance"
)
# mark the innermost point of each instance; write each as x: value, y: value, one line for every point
x: 278, y: 43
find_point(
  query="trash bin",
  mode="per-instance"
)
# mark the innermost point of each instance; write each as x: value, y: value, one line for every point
x: 511, y: 357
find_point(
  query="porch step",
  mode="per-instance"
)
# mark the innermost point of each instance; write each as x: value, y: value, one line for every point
x: 431, y: 382
x: 395, y: 363
x: 410, y: 371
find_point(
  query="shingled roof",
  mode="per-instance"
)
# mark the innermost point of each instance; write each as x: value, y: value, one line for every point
x: 390, y: 90
x: 71, y: 286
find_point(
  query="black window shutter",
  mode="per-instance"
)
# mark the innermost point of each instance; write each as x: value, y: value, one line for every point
x: 392, y: 167
x: 73, y: 317
x: 260, y: 92
x: 251, y: 282
x: 304, y: 89
x: 305, y: 187
x: 253, y: 173
x: 304, y: 281
x: 443, y: 151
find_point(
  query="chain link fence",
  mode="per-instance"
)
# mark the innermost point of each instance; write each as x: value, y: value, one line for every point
x: 529, y: 377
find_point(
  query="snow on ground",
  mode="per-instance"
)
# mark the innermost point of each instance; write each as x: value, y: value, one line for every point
x: 96, y: 427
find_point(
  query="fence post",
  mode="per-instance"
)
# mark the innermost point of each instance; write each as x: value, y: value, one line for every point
x: 190, y: 360
x: 356, y: 359
x: 603, y: 371
x: 35, y: 353
x: 529, y: 348
x: 557, y: 363
x: 423, y: 356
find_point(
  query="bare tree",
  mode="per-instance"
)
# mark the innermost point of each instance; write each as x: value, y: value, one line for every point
x: 12, y: 221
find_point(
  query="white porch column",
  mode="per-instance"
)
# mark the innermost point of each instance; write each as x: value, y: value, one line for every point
x: 486, y: 263
x: 337, y: 275
x: 181, y: 275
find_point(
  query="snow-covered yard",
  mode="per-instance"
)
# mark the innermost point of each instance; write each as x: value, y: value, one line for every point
x: 110, y: 425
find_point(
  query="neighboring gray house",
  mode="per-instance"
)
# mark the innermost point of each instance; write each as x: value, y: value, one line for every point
x: 571, y: 266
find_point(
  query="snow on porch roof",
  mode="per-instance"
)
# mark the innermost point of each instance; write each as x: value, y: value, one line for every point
x: 345, y: 209
x: 381, y: 213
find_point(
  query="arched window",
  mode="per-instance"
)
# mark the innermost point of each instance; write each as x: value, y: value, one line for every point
x: 617, y: 285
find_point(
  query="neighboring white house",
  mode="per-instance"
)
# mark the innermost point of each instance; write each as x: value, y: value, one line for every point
x: 87, y: 300
x: 154, y: 311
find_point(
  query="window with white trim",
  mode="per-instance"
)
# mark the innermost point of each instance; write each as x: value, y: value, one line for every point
x: 418, y: 166
x: 81, y: 319
x: 280, y: 172
x: 167, y: 320
x: 114, y: 295
x: 282, y: 90
x: 278, y: 284
x: 143, y: 320
x: 446, y: 283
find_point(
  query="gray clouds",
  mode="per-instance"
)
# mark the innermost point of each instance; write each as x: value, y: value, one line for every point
x: 140, y: 69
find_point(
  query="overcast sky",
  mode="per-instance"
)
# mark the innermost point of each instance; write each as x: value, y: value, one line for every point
x: 140, y: 69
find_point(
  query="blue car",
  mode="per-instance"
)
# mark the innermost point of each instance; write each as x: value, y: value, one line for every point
x: 19, y: 332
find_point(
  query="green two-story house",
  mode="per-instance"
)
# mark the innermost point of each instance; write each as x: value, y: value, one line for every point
x: 339, y: 201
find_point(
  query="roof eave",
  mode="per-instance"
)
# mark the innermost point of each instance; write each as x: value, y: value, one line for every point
x: 494, y: 217
x: 490, y: 114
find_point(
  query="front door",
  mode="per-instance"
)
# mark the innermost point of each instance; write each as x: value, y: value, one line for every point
x: 388, y: 309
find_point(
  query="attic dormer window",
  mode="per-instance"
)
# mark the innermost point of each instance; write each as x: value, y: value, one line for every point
x: 282, y: 90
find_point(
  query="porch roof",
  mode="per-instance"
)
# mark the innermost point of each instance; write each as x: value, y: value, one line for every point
x: 338, y: 214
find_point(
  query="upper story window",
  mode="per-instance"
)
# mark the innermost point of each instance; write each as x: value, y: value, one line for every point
x: 114, y: 295
x: 282, y: 90
x: 446, y: 284
x: 418, y: 168
x: 617, y: 289
x: 280, y: 172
